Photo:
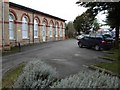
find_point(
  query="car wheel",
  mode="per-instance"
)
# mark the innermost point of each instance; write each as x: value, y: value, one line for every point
x: 97, y: 48
x: 80, y: 45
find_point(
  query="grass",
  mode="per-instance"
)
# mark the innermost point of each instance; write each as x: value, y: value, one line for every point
x: 11, y: 51
x: 11, y: 76
x: 114, y: 66
x: 115, y: 54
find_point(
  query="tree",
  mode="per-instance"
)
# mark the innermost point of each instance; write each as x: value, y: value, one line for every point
x: 70, y: 30
x: 96, y: 25
x: 84, y: 22
x: 113, y: 14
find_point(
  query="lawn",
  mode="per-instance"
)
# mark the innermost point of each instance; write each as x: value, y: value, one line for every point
x: 11, y: 51
x: 114, y: 56
x: 11, y: 76
x: 113, y: 67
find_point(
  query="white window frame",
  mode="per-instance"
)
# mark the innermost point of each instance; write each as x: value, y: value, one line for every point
x: 51, y: 30
x: 56, y: 31
x: 11, y: 27
x: 24, y: 27
x: 44, y: 29
x: 35, y: 28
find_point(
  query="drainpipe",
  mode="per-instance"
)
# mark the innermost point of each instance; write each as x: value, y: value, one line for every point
x: 3, y: 24
x: 33, y: 27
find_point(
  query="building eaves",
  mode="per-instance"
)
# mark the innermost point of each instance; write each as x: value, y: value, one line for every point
x: 33, y: 10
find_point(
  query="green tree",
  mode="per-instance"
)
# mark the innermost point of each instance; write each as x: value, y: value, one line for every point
x: 113, y: 14
x: 84, y: 22
x: 70, y: 30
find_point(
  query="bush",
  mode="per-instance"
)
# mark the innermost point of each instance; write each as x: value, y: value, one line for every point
x: 88, y: 80
x: 36, y: 74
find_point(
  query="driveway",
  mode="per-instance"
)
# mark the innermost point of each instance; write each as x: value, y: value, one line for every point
x: 65, y: 56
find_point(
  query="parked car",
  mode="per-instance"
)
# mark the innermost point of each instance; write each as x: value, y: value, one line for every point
x: 113, y: 33
x: 98, y: 42
x: 81, y: 36
x: 114, y: 38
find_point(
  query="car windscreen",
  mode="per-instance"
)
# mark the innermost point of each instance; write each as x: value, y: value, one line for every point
x: 107, y: 36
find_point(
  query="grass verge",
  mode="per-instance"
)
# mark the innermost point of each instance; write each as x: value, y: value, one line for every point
x: 11, y: 51
x: 114, y: 66
x: 11, y: 76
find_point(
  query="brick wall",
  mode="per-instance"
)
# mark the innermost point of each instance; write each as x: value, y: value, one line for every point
x: 18, y: 13
x: 0, y: 24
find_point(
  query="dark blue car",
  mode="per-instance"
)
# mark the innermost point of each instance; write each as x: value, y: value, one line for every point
x: 98, y: 42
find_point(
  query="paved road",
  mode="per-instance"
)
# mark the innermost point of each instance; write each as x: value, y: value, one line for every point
x: 65, y: 56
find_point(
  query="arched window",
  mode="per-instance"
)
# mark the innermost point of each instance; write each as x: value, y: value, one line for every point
x: 56, y: 30
x: 51, y: 33
x: 24, y: 27
x: 44, y: 31
x: 35, y: 28
x: 61, y: 31
x: 11, y: 26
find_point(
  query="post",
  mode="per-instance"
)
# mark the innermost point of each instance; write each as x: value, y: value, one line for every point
x: 19, y: 46
x: 33, y: 27
x: 3, y: 24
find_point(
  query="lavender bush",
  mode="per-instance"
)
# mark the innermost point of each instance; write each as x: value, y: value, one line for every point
x: 36, y: 74
x: 88, y: 80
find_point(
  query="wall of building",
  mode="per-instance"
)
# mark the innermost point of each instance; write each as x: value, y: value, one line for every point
x: 18, y: 14
x: 4, y: 35
x: 6, y: 42
x: 0, y: 24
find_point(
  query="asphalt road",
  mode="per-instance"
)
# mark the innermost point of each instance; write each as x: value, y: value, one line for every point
x: 65, y: 56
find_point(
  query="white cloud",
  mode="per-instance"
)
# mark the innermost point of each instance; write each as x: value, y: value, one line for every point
x: 66, y: 9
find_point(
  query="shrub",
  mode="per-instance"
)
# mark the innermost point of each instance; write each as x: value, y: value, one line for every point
x: 36, y: 74
x: 88, y: 80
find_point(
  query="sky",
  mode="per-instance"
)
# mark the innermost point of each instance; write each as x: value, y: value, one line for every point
x: 101, y: 17
x: 65, y: 9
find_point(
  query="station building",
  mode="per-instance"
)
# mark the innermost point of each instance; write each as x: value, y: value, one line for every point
x: 20, y: 24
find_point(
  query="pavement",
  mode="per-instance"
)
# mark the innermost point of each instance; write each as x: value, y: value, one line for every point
x: 65, y: 56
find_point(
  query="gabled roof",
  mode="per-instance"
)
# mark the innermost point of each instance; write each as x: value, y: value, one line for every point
x: 33, y: 10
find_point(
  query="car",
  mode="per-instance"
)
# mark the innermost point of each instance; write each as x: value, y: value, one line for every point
x: 114, y: 38
x: 98, y: 42
x: 81, y: 36
x: 113, y: 32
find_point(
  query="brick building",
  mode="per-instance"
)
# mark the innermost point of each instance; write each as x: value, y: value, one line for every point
x: 0, y: 24
x: 27, y: 26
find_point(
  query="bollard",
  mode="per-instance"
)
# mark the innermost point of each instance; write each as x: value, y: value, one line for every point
x: 19, y: 46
